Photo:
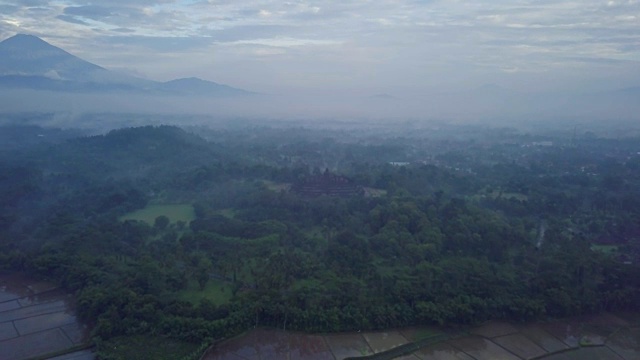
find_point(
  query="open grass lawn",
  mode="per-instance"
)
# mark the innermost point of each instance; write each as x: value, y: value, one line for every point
x: 216, y: 290
x: 244, y: 273
x: 175, y: 213
x: 228, y: 213
x: 148, y: 348
x: 607, y: 249
x: 275, y: 186
x: 373, y: 192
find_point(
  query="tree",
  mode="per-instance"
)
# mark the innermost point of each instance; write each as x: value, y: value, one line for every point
x: 161, y: 222
x: 202, y: 272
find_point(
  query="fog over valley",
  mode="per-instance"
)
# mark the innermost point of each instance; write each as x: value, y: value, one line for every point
x: 339, y: 180
x: 495, y: 106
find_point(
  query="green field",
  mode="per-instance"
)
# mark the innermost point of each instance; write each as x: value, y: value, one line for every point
x: 276, y: 186
x: 373, y: 192
x: 607, y: 249
x: 218, y: 291
x: 228, y: 213
x: 175, y: 213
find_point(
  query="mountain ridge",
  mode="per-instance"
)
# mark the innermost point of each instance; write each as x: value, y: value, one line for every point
x: 29, y: 62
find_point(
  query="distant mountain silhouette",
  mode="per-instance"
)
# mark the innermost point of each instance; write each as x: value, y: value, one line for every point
x: 28, y: 62
x: 31, y: 56
x: 194, y: 85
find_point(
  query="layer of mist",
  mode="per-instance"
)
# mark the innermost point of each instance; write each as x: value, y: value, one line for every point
x: 490, y: 107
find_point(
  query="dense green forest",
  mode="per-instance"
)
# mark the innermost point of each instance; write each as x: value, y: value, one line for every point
x: 456, y: 226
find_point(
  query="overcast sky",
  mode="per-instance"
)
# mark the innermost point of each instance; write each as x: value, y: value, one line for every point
x: 361, y: 47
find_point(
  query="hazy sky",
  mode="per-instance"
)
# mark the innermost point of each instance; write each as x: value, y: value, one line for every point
x: 360, y: 47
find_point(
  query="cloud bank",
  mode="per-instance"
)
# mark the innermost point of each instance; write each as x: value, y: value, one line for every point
x: 351, y: 47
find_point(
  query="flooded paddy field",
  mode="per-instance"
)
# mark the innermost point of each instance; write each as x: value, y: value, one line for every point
x: 37, y: 319
x: 600, y: 337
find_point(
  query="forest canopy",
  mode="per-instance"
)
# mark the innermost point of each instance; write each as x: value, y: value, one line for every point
x: 490, y: 225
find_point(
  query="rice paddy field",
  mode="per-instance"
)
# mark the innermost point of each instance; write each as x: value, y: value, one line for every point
x: 37, y: 321
x: 601, y: 337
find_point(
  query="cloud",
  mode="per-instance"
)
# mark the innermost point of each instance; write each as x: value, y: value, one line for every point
x: 42, y: 3
x: 249, y: 32
x: 159, y: 44
x: 72, y: 20
x: 406, y: 44
x: 139, y: 3
x: 123, y: 30
x: 8, y: 9
x: 284, y: 42
x: 89, y: 11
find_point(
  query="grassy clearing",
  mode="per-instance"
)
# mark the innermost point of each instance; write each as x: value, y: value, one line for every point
x: 175, y: 213
x: 277, y: 187
x: 373, y: 192
x: 147, y: 348
x: 244, y: 273
x: 216, y: 290
x: 606, y: 249
x: 228, y: 213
